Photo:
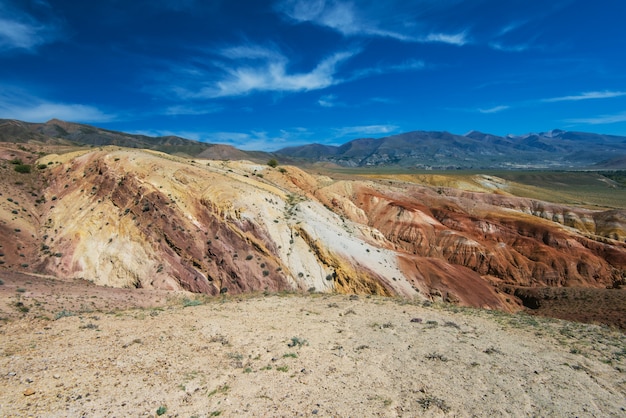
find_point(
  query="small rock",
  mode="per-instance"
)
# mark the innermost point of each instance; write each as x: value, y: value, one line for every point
x: 56, y: 376
x: 11, y: 374
x: 418, y: 320
x: 314, y: 412
x: 29, y: 380
x: 29, y: 392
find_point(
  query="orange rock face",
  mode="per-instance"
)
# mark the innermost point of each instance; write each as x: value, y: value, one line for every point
x: 502, y: 240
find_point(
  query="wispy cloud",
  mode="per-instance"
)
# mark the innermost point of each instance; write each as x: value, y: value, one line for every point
x: 365, y: 130
x: 459, y: 39
x: 410, y: 65
x: 345, y: 18
x: 329, y: 100
x: 499, y: 46
x: 16, y: 104
x: 600, y: 120
x: 261, y: 140
x: 587, y: 96
x: 511, y: 27
x: 179, y: 110
x: 253, y: 68
x: 21, y: 31
x: 253, y: 140
x: 494, y: 109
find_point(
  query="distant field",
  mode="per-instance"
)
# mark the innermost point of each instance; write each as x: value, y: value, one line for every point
x: 580, y: 188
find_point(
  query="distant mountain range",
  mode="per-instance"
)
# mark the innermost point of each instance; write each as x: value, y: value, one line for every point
x: 442, y: 150
x: 555, y: 149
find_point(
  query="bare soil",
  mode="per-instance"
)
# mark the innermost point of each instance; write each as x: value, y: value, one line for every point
x: 74, y: 349
x: 594, y: 306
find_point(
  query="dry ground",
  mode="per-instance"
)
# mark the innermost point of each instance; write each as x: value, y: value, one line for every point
x: 82, y: 350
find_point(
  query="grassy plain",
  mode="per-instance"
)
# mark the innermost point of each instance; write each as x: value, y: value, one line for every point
x: 591, y: 189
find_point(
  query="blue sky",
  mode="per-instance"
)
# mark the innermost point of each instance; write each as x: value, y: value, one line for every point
x: 269, y: 74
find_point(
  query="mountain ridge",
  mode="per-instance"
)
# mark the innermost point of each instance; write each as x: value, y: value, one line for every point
x: 58, y: 132
x: 554, y: 149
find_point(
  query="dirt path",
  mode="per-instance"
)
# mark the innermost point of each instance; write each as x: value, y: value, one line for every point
x: 315, y: 355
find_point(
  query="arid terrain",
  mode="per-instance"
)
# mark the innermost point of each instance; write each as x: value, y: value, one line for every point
x: 76, y: 349
x: 135, y: 282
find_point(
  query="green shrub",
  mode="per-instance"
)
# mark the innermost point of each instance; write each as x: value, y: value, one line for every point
x: 297, y: 342
x: 273, y: 163
x: 22, y: 168
x: 191, y: 302
x: 63, y: 314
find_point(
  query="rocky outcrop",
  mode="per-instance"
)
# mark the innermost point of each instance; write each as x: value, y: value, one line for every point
x: 132, y: 218
x: 497, y: 236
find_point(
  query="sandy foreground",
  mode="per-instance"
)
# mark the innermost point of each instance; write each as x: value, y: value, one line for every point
x: 302, y: 355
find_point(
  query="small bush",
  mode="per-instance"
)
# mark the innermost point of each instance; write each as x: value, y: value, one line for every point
x: 161, y: 410
x: 191, y: 302
x: 21, y: 307
x: 436, y: 356
x: 273, y: 163
x: 22, y: 168
x: 63, y: 314
x: 297, y: 342
x: 427, y: 401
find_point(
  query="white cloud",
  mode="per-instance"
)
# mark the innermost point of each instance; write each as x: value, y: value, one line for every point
x: 254, y: 69
x: 509, y: 48
x: 410, y: 65
x: 178, y: 110
x: 600, y: 120
x: 511, y: 27
x: 251, y: 52
x: 587, y: 96
x: 19, y: 30
x: 45, y: 111
x: 494, y: 109
x: 250, y: 141
x: 365, y: 130
x: 345, y: 18
x: 459, y: 39
x: 15, y: 104
x: 340, y: 16
x: 261, y: 140
x: 329, y: 100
